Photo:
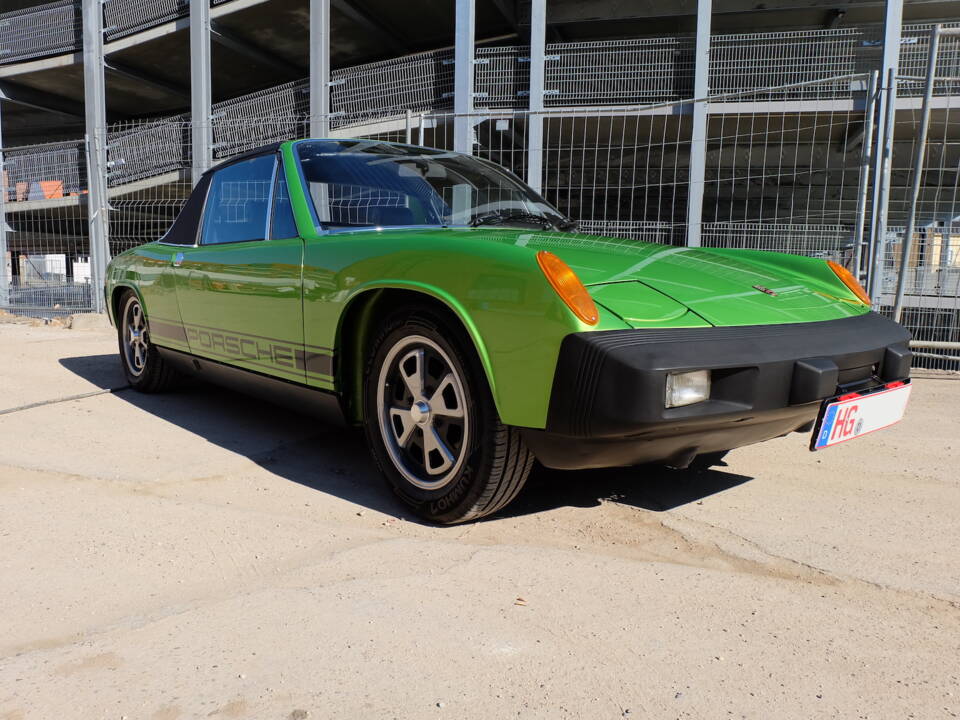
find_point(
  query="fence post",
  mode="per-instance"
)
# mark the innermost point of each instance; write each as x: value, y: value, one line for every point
x: 96, y: 121
x: 882, y: 188
x: 698, y: 137
x: 319, y: 68
x: 201, y: 136
x: 866, y: 155
x: 4, y: 279
x: 538, y: 39
x: 917, y: 170
x: 892, y: 30
x: 463, y: 77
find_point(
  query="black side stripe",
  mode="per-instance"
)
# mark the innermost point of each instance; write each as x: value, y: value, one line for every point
x: 168, y: 331
x: 254, y: 350
x: 232, y: 332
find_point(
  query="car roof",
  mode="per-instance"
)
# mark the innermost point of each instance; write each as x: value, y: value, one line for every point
x: 256, y: 152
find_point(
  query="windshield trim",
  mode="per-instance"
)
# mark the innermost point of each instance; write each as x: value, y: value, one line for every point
x: 554, y: 216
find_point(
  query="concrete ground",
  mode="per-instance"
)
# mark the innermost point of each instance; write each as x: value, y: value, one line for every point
x: 202, y: 555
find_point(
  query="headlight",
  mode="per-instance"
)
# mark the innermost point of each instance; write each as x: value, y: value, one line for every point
x: 686, y: 388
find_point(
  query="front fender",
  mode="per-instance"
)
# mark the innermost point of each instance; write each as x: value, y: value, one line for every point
x: 513, y: 316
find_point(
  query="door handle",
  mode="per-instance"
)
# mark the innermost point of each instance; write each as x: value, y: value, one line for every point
x: 177, y: 259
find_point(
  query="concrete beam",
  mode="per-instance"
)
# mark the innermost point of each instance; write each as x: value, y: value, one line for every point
x: 146, y: 78
x: 29, y: 97
x: 228, y: 39
x: 368, y: 21
x: 507, y: 9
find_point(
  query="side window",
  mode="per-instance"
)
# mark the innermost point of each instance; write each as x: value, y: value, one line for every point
x: 238, y: 201
x: 283, y: 226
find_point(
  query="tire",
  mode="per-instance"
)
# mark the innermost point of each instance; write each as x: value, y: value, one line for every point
x: 431, y: 423
x: 142, y: 364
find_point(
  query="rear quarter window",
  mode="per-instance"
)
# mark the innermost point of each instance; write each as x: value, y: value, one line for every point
x: 238, y: 202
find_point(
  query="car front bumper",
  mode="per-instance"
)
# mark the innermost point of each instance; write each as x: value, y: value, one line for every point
x: 607, y: 402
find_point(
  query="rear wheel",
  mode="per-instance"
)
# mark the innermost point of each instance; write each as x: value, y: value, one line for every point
x: 432, y: 425
x: 142, y: 364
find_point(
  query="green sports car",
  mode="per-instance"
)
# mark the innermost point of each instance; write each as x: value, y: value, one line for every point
x: 436, y: 300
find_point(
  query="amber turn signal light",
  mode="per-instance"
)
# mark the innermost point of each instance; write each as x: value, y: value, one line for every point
x: 568, y: 287
x: 847, y: 278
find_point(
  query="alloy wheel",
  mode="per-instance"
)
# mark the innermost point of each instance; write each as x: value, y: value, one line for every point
x: 423, y: 417
x: 135, y: 337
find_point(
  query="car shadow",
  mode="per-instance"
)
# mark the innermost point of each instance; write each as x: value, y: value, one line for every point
x: 335, y: 461
x: 648, y: 487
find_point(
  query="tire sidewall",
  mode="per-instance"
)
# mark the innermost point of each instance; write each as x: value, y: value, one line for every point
x: 463, y: 490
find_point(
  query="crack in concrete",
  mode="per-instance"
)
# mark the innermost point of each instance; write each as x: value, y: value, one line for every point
x: 68, y: 398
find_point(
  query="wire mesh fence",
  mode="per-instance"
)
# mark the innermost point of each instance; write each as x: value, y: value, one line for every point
x: 126, y: 17
x: 34, y: 32
x: 930, y: 269
x: 643, y: 70
x: 785, y: 165
x: 423, y: 81
x: 748, y: 61
x: 783, y: 178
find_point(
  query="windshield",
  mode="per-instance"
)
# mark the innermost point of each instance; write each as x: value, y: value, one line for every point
x: 361, y: 183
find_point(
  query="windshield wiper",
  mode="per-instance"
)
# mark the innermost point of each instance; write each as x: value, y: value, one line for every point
x: 502, y: 216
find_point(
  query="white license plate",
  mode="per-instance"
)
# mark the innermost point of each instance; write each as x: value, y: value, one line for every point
x: 855, y: 414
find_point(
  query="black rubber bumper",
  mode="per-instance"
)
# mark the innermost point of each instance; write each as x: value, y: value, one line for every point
x: 607, y: 402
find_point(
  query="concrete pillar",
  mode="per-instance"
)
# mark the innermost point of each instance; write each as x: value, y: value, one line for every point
x: 202, y: 133
x: 538, y: 41
x: 319, y: 68
x: 463, y: 76
x: 95, y: 105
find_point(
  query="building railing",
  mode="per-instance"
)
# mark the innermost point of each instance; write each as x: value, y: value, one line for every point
x: 39, y: 172
x: 35, y: 32
x: 126, y: 17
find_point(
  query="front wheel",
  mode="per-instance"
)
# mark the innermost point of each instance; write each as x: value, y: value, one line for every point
x: 432, y: 425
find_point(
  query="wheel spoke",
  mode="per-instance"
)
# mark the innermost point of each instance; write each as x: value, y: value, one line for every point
x: 439, y: 461
x: 413, y: 378
x: 438, y: 403
x: 407, y: 426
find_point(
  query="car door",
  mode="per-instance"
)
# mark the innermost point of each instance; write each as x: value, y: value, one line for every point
x: 240, y: 288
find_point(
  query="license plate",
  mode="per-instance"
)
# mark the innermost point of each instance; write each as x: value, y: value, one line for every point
x: 855, y: 414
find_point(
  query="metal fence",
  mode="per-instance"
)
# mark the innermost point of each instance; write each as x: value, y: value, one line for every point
x: 34, y: 32
x: 787, y: 165
x: 126, y: 17
x: 744, y: 62
x: 919, y: 254
x: 622, y: 172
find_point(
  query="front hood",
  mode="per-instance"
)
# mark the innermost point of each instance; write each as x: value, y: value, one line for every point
x: 723, y: 287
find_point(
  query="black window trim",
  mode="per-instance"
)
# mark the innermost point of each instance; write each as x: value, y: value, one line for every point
x: 279, y: 177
